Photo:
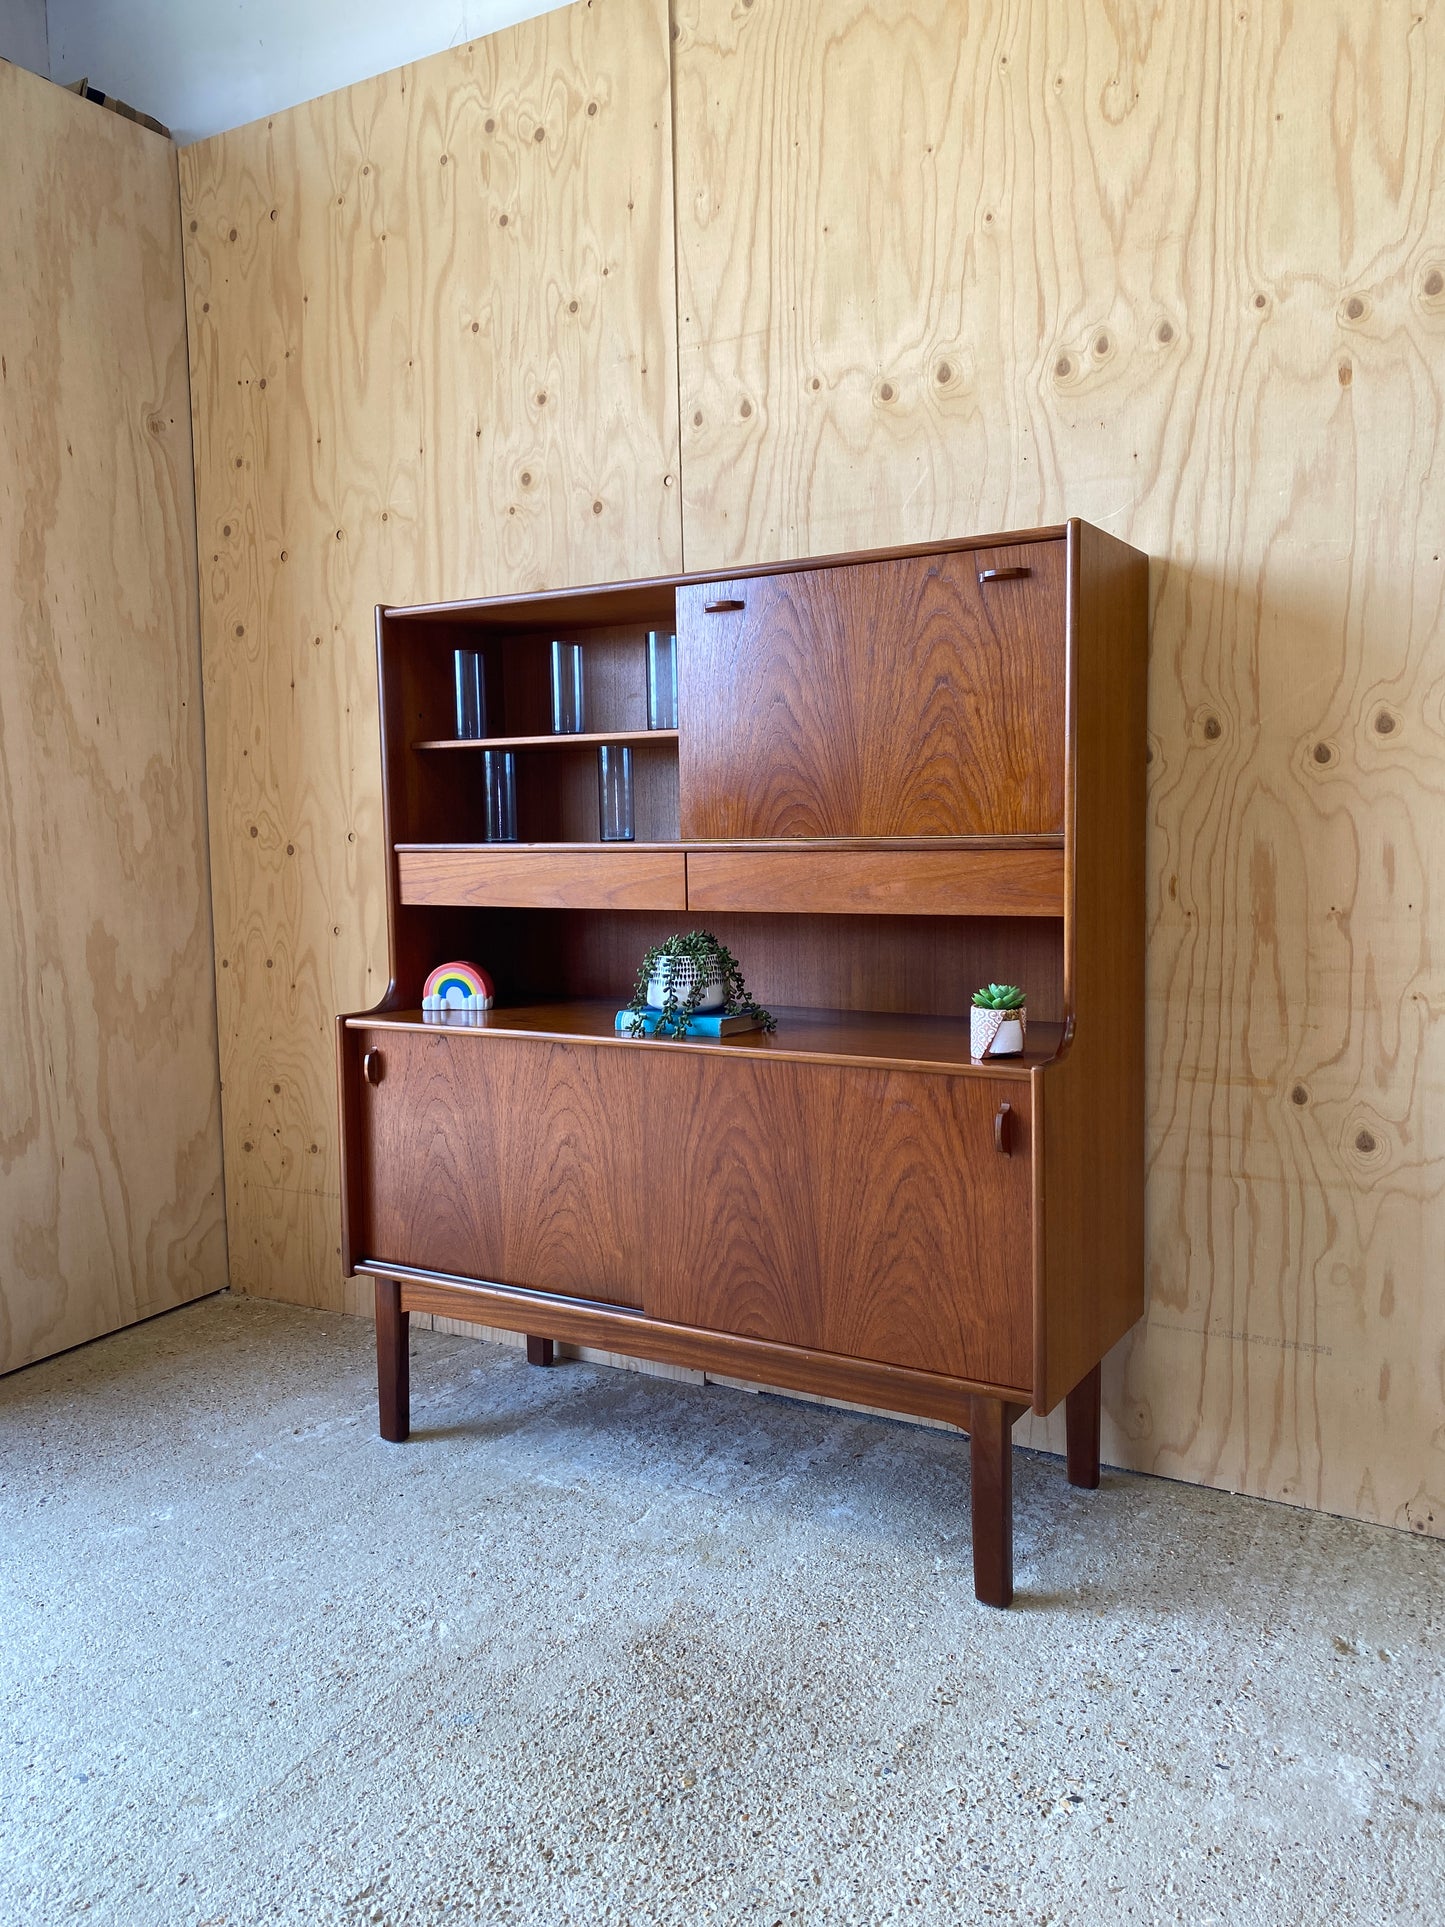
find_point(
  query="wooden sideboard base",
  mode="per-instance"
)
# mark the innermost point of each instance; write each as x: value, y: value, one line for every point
x: 621, y: 1328
x: 988, y: 1413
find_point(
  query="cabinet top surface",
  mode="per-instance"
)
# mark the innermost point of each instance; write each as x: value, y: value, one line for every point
x: 869, y: 1038
x: 647, y: 599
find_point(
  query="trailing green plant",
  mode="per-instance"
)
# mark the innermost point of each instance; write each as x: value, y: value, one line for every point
x: 999, y: 997
x: 714, y: 961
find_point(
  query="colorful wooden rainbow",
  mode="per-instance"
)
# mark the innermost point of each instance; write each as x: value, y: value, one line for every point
x: 457, y: 993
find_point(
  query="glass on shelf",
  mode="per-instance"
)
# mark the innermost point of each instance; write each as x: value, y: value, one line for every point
x: 471, y: 694
x: 614, y: 793
x: 499, y: 780
x: 661, y: 679
x: 567, y: 688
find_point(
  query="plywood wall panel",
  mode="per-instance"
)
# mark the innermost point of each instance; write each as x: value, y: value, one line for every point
x: 1180, y: 270
x: 433, y: 355
x: 110, y: 1157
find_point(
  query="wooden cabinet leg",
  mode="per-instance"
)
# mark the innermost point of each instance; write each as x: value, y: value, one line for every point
x: 991, y: 1453
x: 539, y: 1350
x: 1081, y: 1428
x: 393, y: 1365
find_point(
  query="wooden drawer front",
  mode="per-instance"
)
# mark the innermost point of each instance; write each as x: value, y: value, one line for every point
x: 855, y: 1211
x: 943, y: 883
x: 893, y: 698
x: 507, y: 1160
x: 545, y: 879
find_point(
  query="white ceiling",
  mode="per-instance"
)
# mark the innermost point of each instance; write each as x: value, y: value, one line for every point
x: 201, y: 66
x: 22, y: 34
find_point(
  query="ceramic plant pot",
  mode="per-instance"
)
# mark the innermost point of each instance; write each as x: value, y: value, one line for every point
x: 996, y: 1033
x: 679, y: 974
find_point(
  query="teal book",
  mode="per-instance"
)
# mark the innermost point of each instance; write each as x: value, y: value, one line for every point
x: 712, y: 1025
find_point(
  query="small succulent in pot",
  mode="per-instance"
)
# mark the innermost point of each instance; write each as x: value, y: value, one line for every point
x: 998, y: 1021
x: 688, y: 976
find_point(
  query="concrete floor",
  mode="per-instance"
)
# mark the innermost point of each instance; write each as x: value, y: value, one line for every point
x: 599, y: 1648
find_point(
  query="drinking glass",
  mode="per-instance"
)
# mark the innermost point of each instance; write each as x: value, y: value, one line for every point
x: 661, y: 679
x: 499, y: 779
x: 471, y: 694
x: 614, y: 793
x: 567, y: 688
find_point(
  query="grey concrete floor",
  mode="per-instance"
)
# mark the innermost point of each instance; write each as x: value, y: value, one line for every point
x: 595, y: 1647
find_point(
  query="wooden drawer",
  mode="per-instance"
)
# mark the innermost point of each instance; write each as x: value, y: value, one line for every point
x: 942, y: 883
x: 910, y: 696
x: 583, y: 879
x: 859, y: 1211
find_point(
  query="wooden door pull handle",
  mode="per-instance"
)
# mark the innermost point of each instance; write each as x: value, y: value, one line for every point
x: 1003, y: 575
x: 722, y: 605
x: 1003, y: 1130
x: 373, y: 1067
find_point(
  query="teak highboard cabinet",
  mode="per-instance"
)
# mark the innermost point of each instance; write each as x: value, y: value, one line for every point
x: 895, y: 776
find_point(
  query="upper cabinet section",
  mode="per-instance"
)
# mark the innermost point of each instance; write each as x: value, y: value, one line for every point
x: 920, y: 696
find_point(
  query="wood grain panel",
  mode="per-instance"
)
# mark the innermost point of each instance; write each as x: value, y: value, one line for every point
x: 1091, y: 1103
x: 432, y: 348
x: 546, y: 879
x: 940, y: 883
x: 900, y: 698
x: 862, y: 1212
x: 1180, y: 271
x: 110, y: 1157
x: 505, y: 1160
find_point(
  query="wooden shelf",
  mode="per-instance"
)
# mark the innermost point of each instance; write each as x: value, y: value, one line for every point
x: 556, y: 740
x: 884, y: 1039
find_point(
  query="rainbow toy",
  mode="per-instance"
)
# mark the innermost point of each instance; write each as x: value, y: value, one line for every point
x: 456, y: 993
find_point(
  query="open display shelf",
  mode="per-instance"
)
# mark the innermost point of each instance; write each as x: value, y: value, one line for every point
x: 894, y: 777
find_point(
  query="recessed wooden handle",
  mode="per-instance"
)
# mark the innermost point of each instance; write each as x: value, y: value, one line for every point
x: 373, y: 1067
x: 722, y: 605
x: 1003, y: 1130
x: 1003, y: 575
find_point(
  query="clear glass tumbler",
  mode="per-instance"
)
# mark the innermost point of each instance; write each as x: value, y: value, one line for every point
x: 471, y: 695
x: 499, y: 779
x: 661, y: 679
x: 614, y: 793
x: 567, y: 688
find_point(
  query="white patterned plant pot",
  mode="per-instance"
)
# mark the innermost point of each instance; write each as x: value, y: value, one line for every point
x: 996, y: 1033
x: 679, y: 974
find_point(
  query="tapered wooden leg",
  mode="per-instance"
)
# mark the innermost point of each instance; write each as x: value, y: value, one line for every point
x: 539, y: 1350
x: 991, y: 1453
x: 393, y: 1366
x: 1081, y: 1428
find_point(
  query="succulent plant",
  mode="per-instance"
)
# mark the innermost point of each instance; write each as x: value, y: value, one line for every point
x: 999, y: 997
x: 714, y: 961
